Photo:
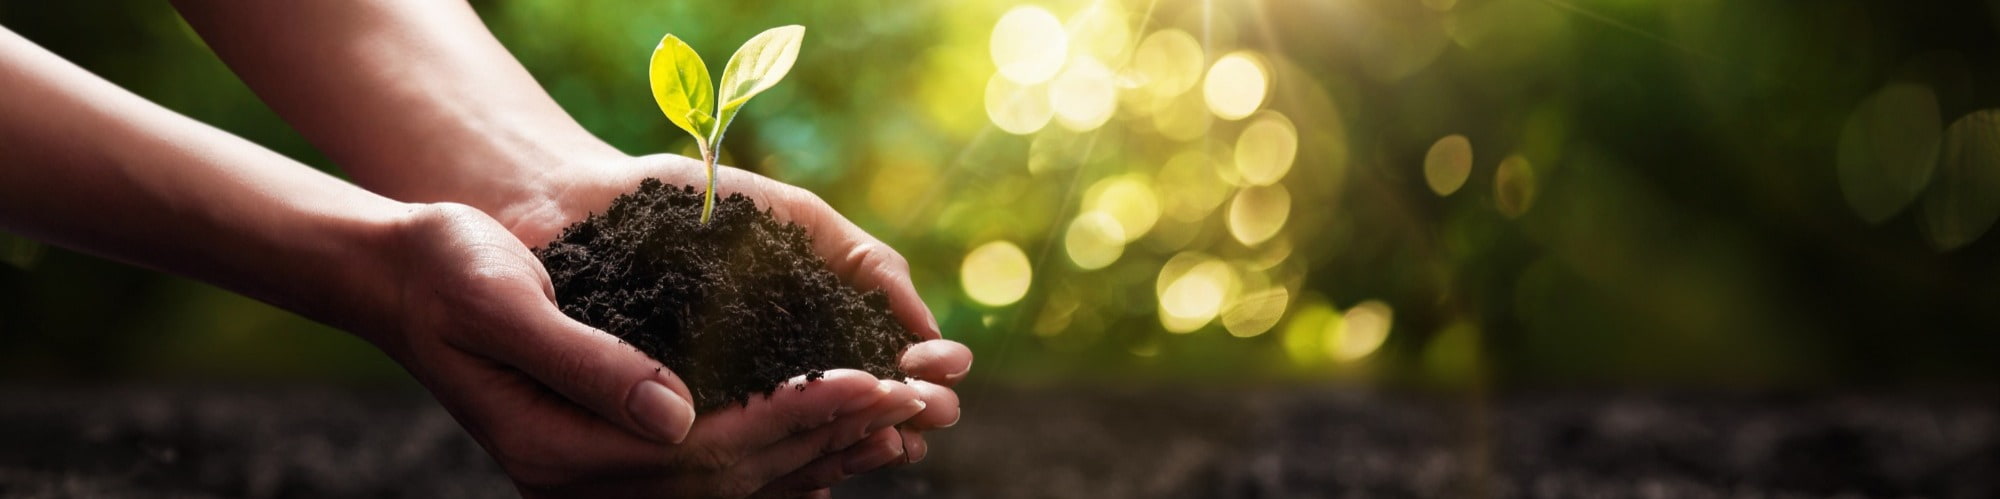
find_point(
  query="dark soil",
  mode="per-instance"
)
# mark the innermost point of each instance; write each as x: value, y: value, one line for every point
x: 734, y: 307
x: 1153, y: 442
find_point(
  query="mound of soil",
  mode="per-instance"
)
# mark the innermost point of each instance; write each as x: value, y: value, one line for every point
x: 734, y: 307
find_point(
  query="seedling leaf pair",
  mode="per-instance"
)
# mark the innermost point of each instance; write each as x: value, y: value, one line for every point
x: 682, y: 89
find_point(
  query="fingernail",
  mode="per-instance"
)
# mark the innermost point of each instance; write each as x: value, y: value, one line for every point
x: 954, y: 420
x: 875, y: 457
x: 954, y: 377
x: 916, y: 450
x: 936, y: 332
x: 660, y: 411
x: 899, y: 415
x: 882, y: 388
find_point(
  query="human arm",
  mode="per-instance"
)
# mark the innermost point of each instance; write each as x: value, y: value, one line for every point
x: 86, y: 165
x: 442, y: 288
x: 417, y: 100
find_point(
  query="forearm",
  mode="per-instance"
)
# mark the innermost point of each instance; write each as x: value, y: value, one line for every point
x: 414, y: 98
x: 89, y: 166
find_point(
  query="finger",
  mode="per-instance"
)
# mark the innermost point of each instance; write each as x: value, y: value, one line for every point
x: 592, y: 369
x: 879, y: 449
x: 940, y: 406
x: 943, y: 362
x: 788, y: 455
x: 914, y: 447
x: 539, y: 436
x: 740, y: 431
x: 868, y: 264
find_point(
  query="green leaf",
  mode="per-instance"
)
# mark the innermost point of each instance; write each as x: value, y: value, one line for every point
x: 757, y: 65
x: 700, y: 120
x: 681, y: 87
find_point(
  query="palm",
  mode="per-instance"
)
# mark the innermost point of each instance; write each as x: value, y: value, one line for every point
x: 546, y: 395
x: 860, y: 259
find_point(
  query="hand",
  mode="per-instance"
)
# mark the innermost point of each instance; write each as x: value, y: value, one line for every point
x: 418, y: 102
x: 581, y: 188
x: 569, y: 410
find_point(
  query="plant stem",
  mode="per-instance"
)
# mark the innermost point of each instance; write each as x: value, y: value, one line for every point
x: 708, y: 198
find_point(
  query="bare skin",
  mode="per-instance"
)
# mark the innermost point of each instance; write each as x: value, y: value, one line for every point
x: 418, y: 102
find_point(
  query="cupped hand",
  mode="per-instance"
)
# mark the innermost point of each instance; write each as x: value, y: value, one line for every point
x: 569, y: 410
x: 935, y: 364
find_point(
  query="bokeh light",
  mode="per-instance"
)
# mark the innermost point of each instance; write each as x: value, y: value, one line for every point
x: 1887, y: 150
x: 1083, y: 95
x: 1271, y: 255
x: 1057, y: 313
x: 1094, y: 240
x: 1128, y: 199
x: 1168, y: 63
x: 1029, y: 45
x: 1258, y: 213
x: 1514, y: 186
x: 1448, y: 164
x: 1452, y: 357
x: 1236, y: 85
x: 1965, y: 198
x: 1018, y: 109
x: 996, y: 274
x: 1255, y: 312
x: 1307, y: 331
x: 1183, y: 118
x: 1193, y: 298
x: 1189, y: 188
x: 1265, y: 150
x: 1100, y: 30
x: 1359, y: 332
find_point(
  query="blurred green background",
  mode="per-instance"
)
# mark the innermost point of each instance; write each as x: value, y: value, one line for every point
x: 1441, y: 193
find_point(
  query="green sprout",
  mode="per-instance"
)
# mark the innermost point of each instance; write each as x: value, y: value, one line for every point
x: 681, y: 87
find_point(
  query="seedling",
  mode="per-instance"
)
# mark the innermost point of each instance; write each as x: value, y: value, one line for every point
x: 681, y: 87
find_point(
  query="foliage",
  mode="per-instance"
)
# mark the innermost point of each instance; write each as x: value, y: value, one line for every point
x: 681, y: 87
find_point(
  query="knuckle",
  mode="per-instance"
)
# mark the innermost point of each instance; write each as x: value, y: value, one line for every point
x: 874, y: 257
x: 886, y: 259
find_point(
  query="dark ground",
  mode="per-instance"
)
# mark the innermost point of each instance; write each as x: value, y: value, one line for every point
x: 309, y: 442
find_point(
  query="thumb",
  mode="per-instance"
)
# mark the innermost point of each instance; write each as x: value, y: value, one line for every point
x: 597, y: 371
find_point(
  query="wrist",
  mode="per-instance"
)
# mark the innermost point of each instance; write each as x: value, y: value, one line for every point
x: 341, y: 266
